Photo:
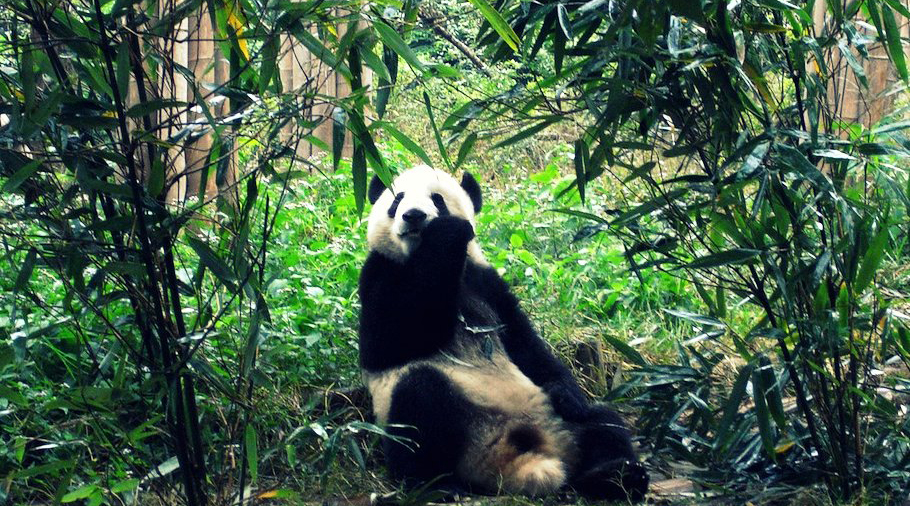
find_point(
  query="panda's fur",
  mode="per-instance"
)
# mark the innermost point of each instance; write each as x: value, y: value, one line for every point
x: 466, y: 388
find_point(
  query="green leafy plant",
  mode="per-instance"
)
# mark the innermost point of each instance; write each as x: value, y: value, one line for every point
x: 137, y: 325
x: 722, y: 122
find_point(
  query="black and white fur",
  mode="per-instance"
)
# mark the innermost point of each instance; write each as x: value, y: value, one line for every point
x: 454, y: 365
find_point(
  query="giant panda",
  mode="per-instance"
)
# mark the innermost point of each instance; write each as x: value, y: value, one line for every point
x: 470, y: 395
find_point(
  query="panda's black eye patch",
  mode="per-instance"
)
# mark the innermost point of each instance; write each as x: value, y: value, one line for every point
x: 440, y: 203
x: 394, y: 207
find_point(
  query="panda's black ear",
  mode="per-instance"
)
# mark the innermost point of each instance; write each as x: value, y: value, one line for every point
x: 376, y: 189
x: 470, y: 186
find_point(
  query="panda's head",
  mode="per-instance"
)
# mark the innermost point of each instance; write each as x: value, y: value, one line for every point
x: 418, y: 196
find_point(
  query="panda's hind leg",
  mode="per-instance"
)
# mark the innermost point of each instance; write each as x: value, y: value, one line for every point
x: 433, y: 415
x: 607, y: 468
x: 521, y: 457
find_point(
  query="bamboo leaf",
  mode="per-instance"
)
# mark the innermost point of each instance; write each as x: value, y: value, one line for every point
x: 20, y: 176
x: 269, y: 62
x: 628, y: 351
x: 252, y: 452
x: 80, y: 493
x: 524, y: 134
x: 648, y: 207
x: 209, y: 259
x: 123, y: 68
x: 730, y: 257
x: 439, y: 144
x: 498, y: 23
x: 893, y: 40
x: 564, y: 22
x: 339, y: 130
x: 319, y: 50
x: 871, y: 261
x: 376, y: 64
x: 696, y: 318
x: 773, y: 398
x: 465, y: 149
x: 731, y: 408
x: 405, y: 141
x: 582, y: 214
x: 762, y: 415
x: 359, y: 173
x: 581, y: 162
x: 145, y: 108
x: 25, y: 273
x: 394, y: 41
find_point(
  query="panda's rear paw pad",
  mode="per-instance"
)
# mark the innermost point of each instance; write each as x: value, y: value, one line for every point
x: 616, y: 480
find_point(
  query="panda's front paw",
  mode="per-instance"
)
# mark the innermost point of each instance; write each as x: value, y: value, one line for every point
x: 448, y: 231
x: 618, y: 480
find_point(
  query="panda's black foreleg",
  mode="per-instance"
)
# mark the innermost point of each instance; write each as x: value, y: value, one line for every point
x: 607, y: 467
x: 436, y: 264
x: 433, y: 416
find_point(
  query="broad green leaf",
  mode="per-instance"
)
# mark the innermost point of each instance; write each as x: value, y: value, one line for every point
x: 209, y: 259
x: 439, y: 144
x: 731, y: 407
x: 80, y: 493
x: 394, y: 41
x: 339, y: 131
x: 773, y: 398
x: 564, y: 21
x: 405, y: 141
x: 794, y: 159
x: 384, y: 90
x: 20, y: 176
x: 581, y: 162
x: 629, y: 352
x: 648, y: 207
x: 465, y: 149
x: 319, y: 50
x: 156, y: 178
x: 123, y: 68
x: 697, y: 318
x: 498, y: 23
x: 559, y: 52
x: 25, y: 273
x: 252, y: 452
x: 730, y: 257
x: 359, y: 173
x: 871, y: 261
x: 855, y: 65
x: 269, y: 62
x: 582, y: 214
x: 43, y: 469
x: 363, y: 135
x: 894, y: 42
x: 762, y: 415
x: 527, y: 132
x: 753, y: 161
x: 27, y: 77
x: 125, y: 485
x: 376, y: 64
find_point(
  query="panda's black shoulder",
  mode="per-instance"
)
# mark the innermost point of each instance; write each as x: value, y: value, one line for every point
x: 484, y: 280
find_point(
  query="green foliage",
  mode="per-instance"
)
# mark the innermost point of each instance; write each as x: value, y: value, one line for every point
x: 141, y: 325
x: 738, y: 173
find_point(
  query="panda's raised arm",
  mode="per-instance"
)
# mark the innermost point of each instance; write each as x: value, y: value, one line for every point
x: 439, y: 259
x: 409, y: 310
x: 527, y: 349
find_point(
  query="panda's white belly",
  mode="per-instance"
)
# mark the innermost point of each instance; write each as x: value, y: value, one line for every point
x: 499, y: 385
x: 492, y: 383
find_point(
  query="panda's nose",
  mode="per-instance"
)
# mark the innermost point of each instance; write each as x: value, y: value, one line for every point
x: 414, y: 216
